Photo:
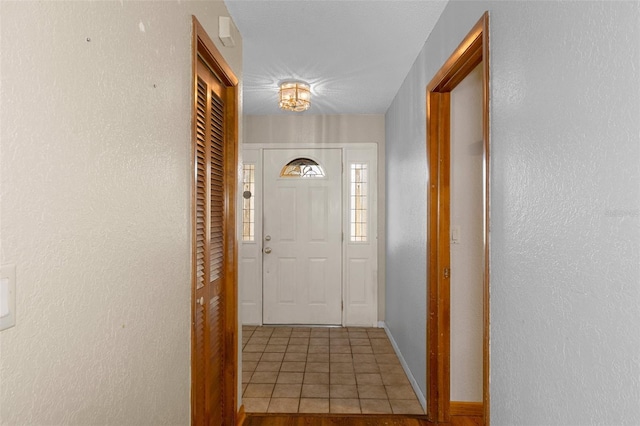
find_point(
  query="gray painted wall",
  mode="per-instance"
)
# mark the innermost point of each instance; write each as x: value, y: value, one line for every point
x: 565, y: 208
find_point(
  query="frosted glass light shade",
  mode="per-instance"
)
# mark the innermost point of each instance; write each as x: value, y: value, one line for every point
x: 295, y: 96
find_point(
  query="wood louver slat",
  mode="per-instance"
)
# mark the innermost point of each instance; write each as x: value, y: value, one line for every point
x: 216, y: 312
x: 216, y: 153
x: 200, y: 236
x: 200, y: 231
x: 199, y: 372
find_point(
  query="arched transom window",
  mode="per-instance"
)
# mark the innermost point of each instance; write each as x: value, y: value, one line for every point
x: 302, y: 168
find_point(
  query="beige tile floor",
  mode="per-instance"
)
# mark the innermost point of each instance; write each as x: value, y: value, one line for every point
x: 323, y: 370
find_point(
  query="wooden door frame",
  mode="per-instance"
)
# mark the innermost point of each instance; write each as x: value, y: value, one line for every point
x: 203, y: 47
x: 473, y: 50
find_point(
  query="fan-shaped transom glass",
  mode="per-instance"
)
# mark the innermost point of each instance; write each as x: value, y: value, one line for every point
x: 302, y: 168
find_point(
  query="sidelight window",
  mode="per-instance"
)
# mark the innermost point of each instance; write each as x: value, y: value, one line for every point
x: 358, y: 202
x: 248, y: 202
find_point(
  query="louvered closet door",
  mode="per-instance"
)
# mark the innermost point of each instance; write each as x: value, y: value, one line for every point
x: 209, y: 315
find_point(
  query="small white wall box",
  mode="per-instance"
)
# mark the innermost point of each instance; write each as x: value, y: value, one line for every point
x: 224, y: 31
x: 7, y: 296
x: 455, y: 234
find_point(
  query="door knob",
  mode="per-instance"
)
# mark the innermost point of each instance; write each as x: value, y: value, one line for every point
x: 267, y: 250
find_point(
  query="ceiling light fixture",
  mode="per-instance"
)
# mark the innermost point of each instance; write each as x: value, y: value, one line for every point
x: 295, y: 96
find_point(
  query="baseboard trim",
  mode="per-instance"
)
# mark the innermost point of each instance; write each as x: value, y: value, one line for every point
x: 405, y: 367
x: 460, y: 408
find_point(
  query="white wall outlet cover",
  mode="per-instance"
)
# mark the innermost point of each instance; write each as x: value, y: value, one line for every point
x: 7, y: 296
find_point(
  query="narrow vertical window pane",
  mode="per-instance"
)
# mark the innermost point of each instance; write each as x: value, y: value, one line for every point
x: 248, y: 198
x: 358, y: 202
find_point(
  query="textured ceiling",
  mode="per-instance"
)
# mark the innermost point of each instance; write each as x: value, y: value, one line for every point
x: 355, y: 54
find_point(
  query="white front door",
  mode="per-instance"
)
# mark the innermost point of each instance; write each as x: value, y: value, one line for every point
x: 302, y: 254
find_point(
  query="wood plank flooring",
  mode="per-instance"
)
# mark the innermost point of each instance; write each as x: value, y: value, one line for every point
x: 255, y: 419
x: 333, y: 420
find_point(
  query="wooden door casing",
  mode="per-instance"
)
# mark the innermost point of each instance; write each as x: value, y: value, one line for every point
x: 473, y: 50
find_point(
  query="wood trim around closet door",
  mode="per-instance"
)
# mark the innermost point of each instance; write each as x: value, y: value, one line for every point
x: 204, y: 53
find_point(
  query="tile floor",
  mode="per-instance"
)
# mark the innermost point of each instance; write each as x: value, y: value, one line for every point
x: 323, y: 370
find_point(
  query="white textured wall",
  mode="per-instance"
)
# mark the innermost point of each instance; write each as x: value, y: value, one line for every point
x: 565, y: 208
x: 319, y: 129
x: 95, y: 191
x: 467, y: 253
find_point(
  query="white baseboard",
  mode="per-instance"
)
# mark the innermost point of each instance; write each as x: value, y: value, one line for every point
x: 412, y: 380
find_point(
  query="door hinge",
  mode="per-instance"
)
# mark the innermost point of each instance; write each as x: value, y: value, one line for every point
x: 447, y: 273
x: 342, y: 306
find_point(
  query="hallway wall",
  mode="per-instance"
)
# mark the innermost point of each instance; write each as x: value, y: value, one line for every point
x: 565, y: 206
x: 95, y: 189
x: 319, y: 129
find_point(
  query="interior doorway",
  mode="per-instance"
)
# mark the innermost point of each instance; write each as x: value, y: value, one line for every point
x: 473, y: 50
x: 466, y: 241
x: 302, y: 248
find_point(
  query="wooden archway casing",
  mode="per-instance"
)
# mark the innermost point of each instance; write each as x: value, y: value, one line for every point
x: 473, y: 50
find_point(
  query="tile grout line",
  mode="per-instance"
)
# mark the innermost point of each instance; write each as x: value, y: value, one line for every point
x: 347, y: 336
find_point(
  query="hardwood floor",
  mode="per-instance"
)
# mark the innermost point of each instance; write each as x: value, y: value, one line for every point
x: 466, y: 421
x: 255, y: 419
x: 333, y: 420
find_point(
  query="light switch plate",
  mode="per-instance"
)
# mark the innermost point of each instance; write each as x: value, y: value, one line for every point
x: 455, y: 234
x: 8, y: 296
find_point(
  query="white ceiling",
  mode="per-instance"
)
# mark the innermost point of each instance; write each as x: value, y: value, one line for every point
x: 355, y: 54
